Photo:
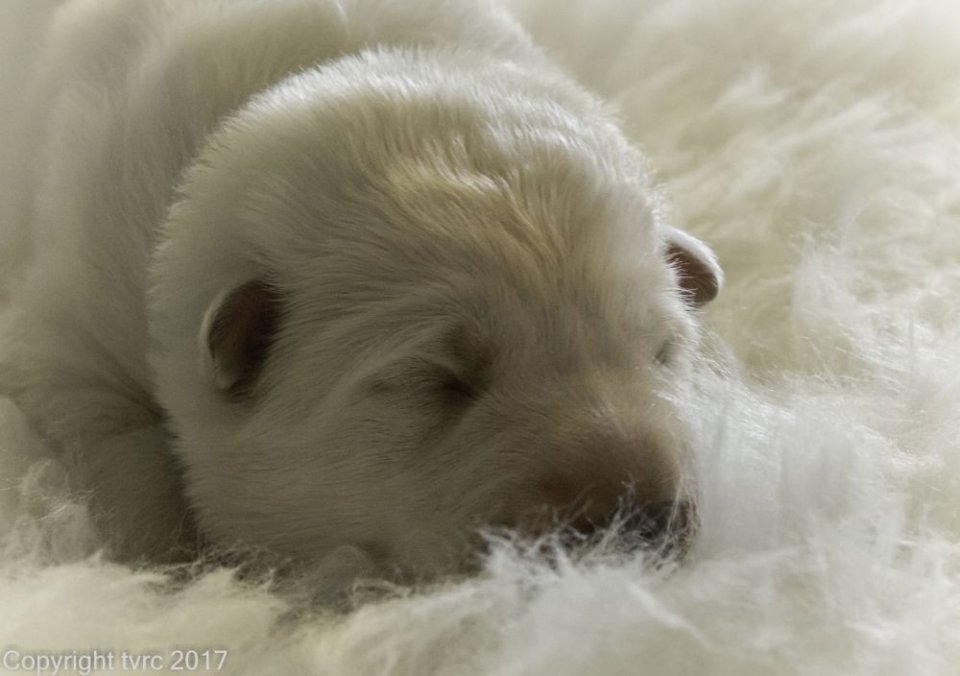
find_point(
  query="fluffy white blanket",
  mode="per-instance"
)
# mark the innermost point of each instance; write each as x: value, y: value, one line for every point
x: 816, y: 145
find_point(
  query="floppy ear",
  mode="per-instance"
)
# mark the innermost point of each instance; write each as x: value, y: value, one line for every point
x: 696, y: 266
x: 236, y: 334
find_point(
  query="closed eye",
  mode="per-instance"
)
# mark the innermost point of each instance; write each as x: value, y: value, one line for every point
x: 456, y: 375
x: 456, y: 391
x: 416, y: 375
x: 665, y: 354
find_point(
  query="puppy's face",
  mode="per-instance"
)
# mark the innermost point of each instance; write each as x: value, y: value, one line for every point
x: 466, y: 315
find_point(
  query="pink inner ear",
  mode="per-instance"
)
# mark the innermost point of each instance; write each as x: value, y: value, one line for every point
x: 699, y: 273
x: 240, y: 335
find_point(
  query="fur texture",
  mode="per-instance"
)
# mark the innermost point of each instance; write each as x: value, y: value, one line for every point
x: 370, y: 273
x: 816, y: 144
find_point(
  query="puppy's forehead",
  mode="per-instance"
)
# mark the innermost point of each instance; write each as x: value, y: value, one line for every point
x: 363, y: 185
x: 552, y: 241
x: 547, y: 209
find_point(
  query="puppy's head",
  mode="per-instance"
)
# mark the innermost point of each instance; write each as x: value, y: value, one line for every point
x: 402, y: 300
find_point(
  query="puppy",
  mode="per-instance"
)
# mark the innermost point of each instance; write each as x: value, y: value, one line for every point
x: 361, y: 275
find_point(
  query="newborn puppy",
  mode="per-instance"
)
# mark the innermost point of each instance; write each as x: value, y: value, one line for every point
x: 366, y: 274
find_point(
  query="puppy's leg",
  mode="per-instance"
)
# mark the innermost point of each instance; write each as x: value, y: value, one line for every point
x: 116, y: 450
x: 134, y: 491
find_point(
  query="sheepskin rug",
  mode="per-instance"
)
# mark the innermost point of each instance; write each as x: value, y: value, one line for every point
x: 816, y: 145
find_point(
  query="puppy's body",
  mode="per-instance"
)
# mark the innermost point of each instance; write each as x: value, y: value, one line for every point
x: 368, y: 272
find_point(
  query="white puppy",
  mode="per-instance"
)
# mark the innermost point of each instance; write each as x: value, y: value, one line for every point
x: 314, y: 274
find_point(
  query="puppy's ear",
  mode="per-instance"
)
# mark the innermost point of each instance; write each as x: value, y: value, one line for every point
x: 696, y: 266
x: 236, y: 335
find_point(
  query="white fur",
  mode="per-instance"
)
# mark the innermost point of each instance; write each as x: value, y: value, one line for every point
x: 399, y: 176
x: 817, y: 145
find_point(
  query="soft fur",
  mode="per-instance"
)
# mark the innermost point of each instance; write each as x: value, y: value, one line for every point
x: 371, y: 273
x: 816, y: 144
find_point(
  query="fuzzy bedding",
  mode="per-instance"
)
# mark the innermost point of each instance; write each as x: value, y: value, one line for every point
x: 816, y: 146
